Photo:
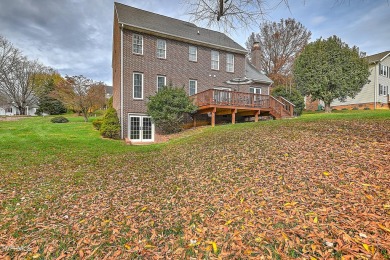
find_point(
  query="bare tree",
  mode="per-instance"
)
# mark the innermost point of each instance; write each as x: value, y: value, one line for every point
x: 230, y: 14
x: 280, y: 43
x: 18, y: 76
x: 81, y: 94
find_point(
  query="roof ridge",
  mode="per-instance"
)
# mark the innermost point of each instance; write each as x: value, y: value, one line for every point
x: 143, y: 10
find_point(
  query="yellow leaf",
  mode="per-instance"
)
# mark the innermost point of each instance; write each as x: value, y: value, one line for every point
x: 284, y: 236
x: 386, y: 206
x: 315, y: 220
x: 366, y: 247
x: 258, y: 239
x: 326, y: 173
x: 228, y: 222
x: 144, y: 208
x: 149, y: 246
x: 35, y: 256
x: 313, y: 258
x: 199, y: 230
x: 127, y: 246
x: 214, y: 245
x: 384, y: 228
x: 242, y: 200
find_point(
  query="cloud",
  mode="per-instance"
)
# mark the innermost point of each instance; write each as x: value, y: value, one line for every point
x: 318, y: 20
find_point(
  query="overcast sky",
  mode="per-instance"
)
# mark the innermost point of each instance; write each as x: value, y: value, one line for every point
x: 75, y: 36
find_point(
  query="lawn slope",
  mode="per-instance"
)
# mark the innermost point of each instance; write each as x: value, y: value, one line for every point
x: 314, y: 187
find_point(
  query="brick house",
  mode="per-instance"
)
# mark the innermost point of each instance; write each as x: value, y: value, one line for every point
x: 152, y: 50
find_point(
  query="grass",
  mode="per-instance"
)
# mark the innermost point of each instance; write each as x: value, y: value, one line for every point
x: 279, y: 189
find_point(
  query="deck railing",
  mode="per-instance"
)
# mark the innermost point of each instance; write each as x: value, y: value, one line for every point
x: 231, y: 98
x: 218, y: 97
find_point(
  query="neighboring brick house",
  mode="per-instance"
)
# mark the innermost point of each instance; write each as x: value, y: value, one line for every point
x: 375, y: 94
x: 152, y: 50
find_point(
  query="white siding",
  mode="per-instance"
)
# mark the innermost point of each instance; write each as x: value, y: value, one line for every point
x: 370, y: 90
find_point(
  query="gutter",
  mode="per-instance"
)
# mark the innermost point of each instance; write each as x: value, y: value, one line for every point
x: 121, y: 93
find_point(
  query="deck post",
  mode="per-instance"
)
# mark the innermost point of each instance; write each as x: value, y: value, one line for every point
x: 195, y: 120
x: 213, y: 119
x: 234, y: 111
x: 257, y: 116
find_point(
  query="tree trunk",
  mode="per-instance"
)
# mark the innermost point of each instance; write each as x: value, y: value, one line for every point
x: 327, y: 108
x: 85, y: 115
x: 22, y: 110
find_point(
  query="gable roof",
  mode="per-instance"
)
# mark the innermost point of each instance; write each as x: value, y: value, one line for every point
x: 378, y: 57
x: 169, y: 27
x: 254, y: 74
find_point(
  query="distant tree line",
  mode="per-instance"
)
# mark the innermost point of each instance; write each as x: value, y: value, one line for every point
x: 24, y: 83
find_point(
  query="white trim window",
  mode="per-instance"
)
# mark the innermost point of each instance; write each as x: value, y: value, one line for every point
x: 193, y: 87
x: 383, y: 90
x: 229, y: 62
x: 214, y: 60
x: 138, y: 85
x: 161, y: 49
x: 384, y: 70
x: 255, y: 90
x: 192, y: 53
x: 138, y: 44
x: 161, y: 82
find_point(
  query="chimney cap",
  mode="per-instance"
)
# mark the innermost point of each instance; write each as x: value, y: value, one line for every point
x: 256, y: 45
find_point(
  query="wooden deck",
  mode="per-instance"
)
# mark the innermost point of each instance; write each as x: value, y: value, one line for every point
x: 224, y: 102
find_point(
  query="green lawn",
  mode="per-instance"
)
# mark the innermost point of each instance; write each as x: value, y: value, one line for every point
x: 311, y: 187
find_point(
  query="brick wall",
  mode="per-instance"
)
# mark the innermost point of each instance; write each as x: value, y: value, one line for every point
x: 176, y: 67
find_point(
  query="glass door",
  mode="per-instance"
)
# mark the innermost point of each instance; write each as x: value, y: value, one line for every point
x: 141, y: 128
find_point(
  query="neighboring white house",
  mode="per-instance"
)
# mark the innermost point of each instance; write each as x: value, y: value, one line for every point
x: 375, y: 94
x: 11, y: 110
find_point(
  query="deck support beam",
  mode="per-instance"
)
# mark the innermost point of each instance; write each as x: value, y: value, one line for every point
x: 257, y: 116
x: 234, y: 111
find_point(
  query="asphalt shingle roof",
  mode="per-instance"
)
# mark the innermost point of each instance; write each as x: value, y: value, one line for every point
x: 377, y: 57
x: 252, y: 73
x: 169, y: 26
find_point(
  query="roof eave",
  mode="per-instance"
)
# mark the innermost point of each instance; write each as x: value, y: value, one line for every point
x: 183, y: 39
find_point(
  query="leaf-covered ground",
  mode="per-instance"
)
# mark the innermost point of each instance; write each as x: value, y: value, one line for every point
x: 307, y: 189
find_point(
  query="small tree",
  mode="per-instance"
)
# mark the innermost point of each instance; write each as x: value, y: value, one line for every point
x: 168, y: 107
x: 81, y: 94
x: 110, y: 126
x: 292, y: 95
x: 329, y: 69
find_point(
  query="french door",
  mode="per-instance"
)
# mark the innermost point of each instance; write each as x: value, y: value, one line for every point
x: 141, y: 128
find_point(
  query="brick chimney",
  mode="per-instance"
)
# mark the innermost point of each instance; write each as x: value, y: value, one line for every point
x: 255, y: 53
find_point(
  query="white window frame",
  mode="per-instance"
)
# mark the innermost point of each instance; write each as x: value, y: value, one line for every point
x: 190, y: 54
x: 162, y: 50
x: 253, y: 90
x: 215, y: 60
x: 142, y: 85
x: 229, y: 64
x: 137, y: 38
x: 189, y: 87
x: 165, y: 81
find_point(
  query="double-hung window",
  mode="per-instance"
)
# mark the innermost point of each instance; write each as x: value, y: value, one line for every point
x: 138, y: 85
x: 383, y: 90
x: 161, y: 49
x: 161, y: 82
x: 229, y: 62
x: 193, y: 85
x: 192, y: 53
x: 137, y: 44
x: 214, y: 60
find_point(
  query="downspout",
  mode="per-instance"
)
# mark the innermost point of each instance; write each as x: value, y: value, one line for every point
x: 375, y: 83
x: 122, y: 114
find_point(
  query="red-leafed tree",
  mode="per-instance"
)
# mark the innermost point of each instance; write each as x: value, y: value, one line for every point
x: 280, y: 44
x: 81, y: 94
